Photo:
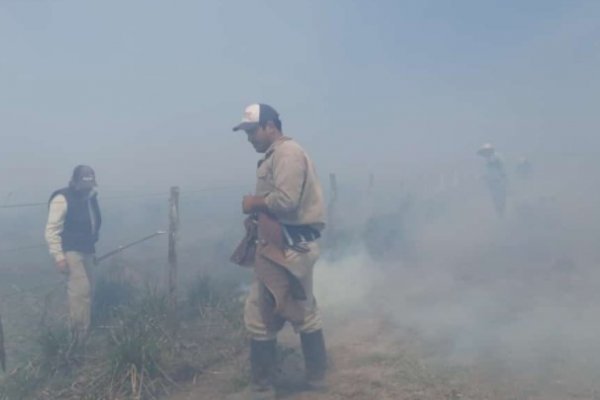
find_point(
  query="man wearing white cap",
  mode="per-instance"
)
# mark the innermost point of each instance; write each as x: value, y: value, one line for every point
x: 288, y: 190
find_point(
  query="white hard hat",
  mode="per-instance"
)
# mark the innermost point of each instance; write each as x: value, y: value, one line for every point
x: 487, y: 148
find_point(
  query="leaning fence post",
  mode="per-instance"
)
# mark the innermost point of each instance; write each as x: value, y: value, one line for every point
x: 173, y: 233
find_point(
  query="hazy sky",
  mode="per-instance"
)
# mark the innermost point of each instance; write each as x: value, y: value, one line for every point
x: 147, y: 91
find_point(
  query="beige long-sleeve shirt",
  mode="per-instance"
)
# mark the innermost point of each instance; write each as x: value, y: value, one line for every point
x: 54, y: 227
x: 287, y: 179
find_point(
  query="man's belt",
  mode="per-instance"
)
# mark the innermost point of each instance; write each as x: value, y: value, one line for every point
x: 300, y: 233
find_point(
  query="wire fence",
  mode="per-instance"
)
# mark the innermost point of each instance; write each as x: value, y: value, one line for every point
x: 210, y: 226
x: 30, y: 286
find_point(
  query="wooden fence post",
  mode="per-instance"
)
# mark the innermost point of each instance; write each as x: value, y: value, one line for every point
x: 334, y: 188
x: 331, y: 219
x: 173, y: 233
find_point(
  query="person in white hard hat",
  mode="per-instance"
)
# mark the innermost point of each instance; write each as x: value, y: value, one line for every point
x: 495, y: 177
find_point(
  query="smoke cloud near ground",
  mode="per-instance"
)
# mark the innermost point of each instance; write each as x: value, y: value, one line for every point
x: 515, y: 298
x: 406, y: 90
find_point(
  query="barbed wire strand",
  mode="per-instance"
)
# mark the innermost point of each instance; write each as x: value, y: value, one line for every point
x: 23, y: 248
x: 126, y: 196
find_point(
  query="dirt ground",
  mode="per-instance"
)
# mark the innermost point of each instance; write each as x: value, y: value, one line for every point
x: 366, y: 363
x: 371, y: 360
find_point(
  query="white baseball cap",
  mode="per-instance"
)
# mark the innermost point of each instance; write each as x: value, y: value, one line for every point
x: 256, y: 114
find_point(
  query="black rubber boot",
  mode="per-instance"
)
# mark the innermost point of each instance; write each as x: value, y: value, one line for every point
x: 315, y: 359
x: 263, y: 362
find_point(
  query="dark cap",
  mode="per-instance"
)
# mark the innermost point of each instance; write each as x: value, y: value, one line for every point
x: 83, y: 177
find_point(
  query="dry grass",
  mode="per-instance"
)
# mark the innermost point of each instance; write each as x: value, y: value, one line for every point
x: 137, y: 353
